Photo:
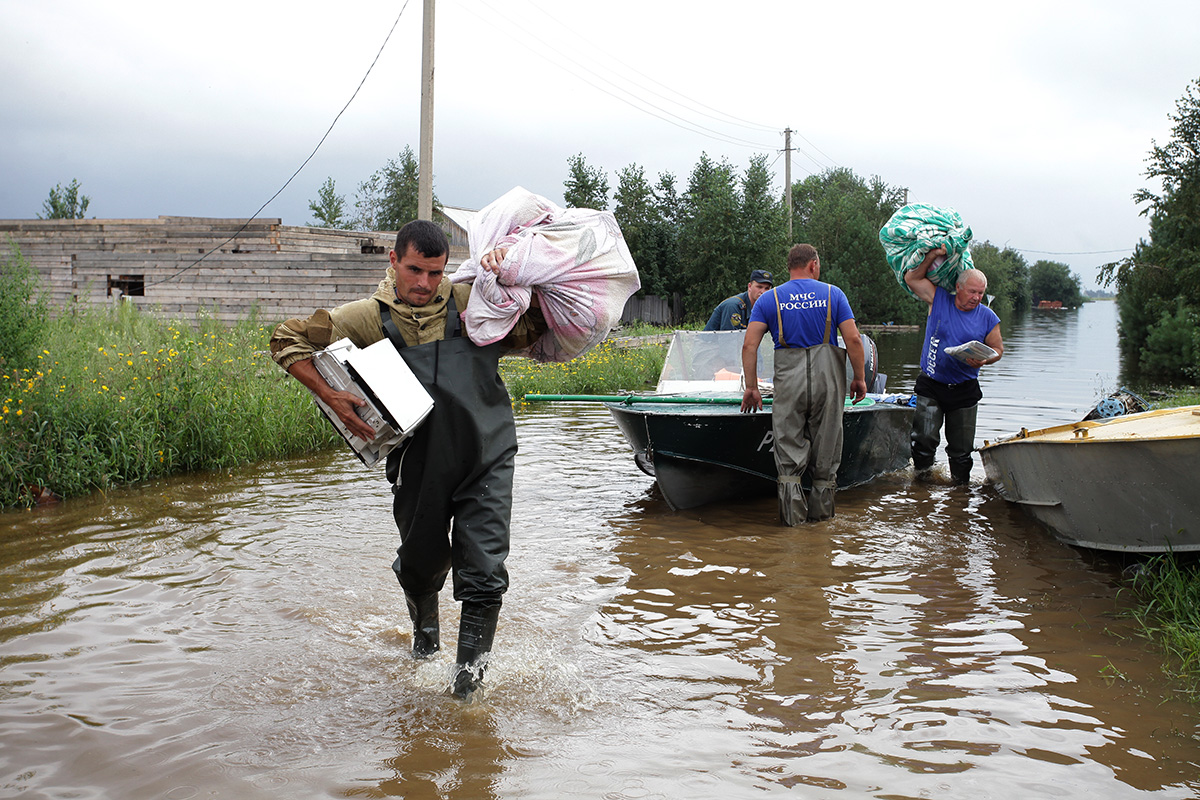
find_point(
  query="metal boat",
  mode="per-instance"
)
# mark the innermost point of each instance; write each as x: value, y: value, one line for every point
x: 692, y: 437
x: 1128, y: 483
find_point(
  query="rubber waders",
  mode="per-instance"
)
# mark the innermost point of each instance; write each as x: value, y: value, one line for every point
x: 475, y: 633
x: 423, y: 609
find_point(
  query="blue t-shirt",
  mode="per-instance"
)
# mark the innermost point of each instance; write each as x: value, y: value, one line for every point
x: 947, y: 327
x: 730, y: 314
x: 802, y: 303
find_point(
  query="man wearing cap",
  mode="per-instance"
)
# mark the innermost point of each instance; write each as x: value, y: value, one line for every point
x: 733, y: 313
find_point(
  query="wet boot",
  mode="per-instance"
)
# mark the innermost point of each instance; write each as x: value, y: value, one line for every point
x: 925, y: 437
x: 423, y: 609
x: 960, y: 442
x: 475, y: 634
x: 820, y: 500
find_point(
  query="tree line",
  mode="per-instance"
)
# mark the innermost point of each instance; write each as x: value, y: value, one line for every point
x: 703, y: 241
x: 1158, y: 285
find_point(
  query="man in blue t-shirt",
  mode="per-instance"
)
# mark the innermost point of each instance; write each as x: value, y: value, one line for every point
x: 733, y: 313
x: 948, y: 387
x: 804, y: 317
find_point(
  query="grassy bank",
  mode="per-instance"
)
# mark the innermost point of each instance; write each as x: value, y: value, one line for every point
x: 606, y: 369
x: 117, y: 396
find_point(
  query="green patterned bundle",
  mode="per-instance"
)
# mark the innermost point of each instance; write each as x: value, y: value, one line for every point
x: 918, y: 228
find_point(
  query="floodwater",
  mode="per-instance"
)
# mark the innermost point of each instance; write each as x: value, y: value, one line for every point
x: 241, y: 635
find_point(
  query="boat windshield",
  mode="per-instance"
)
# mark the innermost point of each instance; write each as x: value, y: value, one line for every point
x: 711, y: 361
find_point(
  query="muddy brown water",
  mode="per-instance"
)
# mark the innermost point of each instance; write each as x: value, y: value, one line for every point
x: 242, y: 636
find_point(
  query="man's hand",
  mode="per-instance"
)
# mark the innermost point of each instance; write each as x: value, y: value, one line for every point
x: 858, y: 388
x: 751, y: 400
x: 343, y: 404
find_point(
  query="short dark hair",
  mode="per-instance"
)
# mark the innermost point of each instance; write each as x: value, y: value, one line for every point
x: 801, y: 254
x: 426, y: 238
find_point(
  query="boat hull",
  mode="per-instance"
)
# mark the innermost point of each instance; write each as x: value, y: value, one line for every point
x: 704, y: 454
x: 1109, y: 488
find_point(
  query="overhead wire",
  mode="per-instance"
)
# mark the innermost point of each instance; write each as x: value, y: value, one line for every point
x: 687, y: 104
x: 328, y: 131
x: 621, y: 93
x: 723, y: 116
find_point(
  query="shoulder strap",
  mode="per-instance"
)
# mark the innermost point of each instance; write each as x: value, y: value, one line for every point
x: 779, y: 317
x: 453, y: 323
x: 828, y: 314
x: 389, y: 328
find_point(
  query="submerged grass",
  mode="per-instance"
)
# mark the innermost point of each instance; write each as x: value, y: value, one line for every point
x: 1167, y: 589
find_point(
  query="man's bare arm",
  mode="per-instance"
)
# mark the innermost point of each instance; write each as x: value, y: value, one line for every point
x: 854, y: 349
x: 917, y: 278
x: 752, y: 398
x: 342, y: 403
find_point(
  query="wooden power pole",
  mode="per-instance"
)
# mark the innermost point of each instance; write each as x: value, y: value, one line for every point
x: 425, y: 174
x: 787, y: 177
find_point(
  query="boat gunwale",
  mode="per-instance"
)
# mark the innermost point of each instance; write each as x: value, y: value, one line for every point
x: 1046, y: 435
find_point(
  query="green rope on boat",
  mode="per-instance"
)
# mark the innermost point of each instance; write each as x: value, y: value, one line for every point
x: 630, y: 399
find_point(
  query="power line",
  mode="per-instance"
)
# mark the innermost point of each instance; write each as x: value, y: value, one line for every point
x: 1077, y: 253
x: 302, y: 165
x: 629, y: 97
x: 723, y: 115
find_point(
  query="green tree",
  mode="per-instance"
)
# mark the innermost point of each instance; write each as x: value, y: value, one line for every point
x: 388, y: 199
x: 710, y: 261
x: 586, y: 186
x: 764, y: 224
x: 65, y: 203
x: 329, y: 209
x: 840, y: 214
x: 368, y: 202
x: 636, y: 215
x: 401, y: 182
x: 1158, y: 286
x: 23, y: 312
x: 662, y: 240
x: 1007, y: 272
x: 1051, y: 280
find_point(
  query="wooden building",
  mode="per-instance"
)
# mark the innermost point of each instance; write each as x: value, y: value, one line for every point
x: 227, y: 267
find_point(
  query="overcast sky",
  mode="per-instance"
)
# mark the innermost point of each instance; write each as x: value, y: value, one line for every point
x: 1032, y: 120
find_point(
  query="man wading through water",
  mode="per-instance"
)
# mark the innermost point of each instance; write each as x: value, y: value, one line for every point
x: 452, y: 484
x: 810, y: 382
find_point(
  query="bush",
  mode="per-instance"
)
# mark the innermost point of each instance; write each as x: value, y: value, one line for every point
x: 1170, y: 348
x: 23, y: 312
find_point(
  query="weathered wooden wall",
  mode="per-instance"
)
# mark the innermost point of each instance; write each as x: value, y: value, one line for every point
x: 277, y: 270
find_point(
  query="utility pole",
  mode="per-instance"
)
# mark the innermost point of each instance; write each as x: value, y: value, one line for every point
x: 425, y: 167
x: 787, y: 177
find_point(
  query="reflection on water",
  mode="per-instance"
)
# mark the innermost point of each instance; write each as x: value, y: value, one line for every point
x: 242, y: 635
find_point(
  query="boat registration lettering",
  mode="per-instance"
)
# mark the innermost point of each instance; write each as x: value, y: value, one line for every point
x: 768, y: 442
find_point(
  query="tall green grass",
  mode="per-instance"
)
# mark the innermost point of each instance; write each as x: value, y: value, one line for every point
x: 118, y: 395
x: 606, y: 369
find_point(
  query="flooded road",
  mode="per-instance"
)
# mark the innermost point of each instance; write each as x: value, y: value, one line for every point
x: 243, y: 636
